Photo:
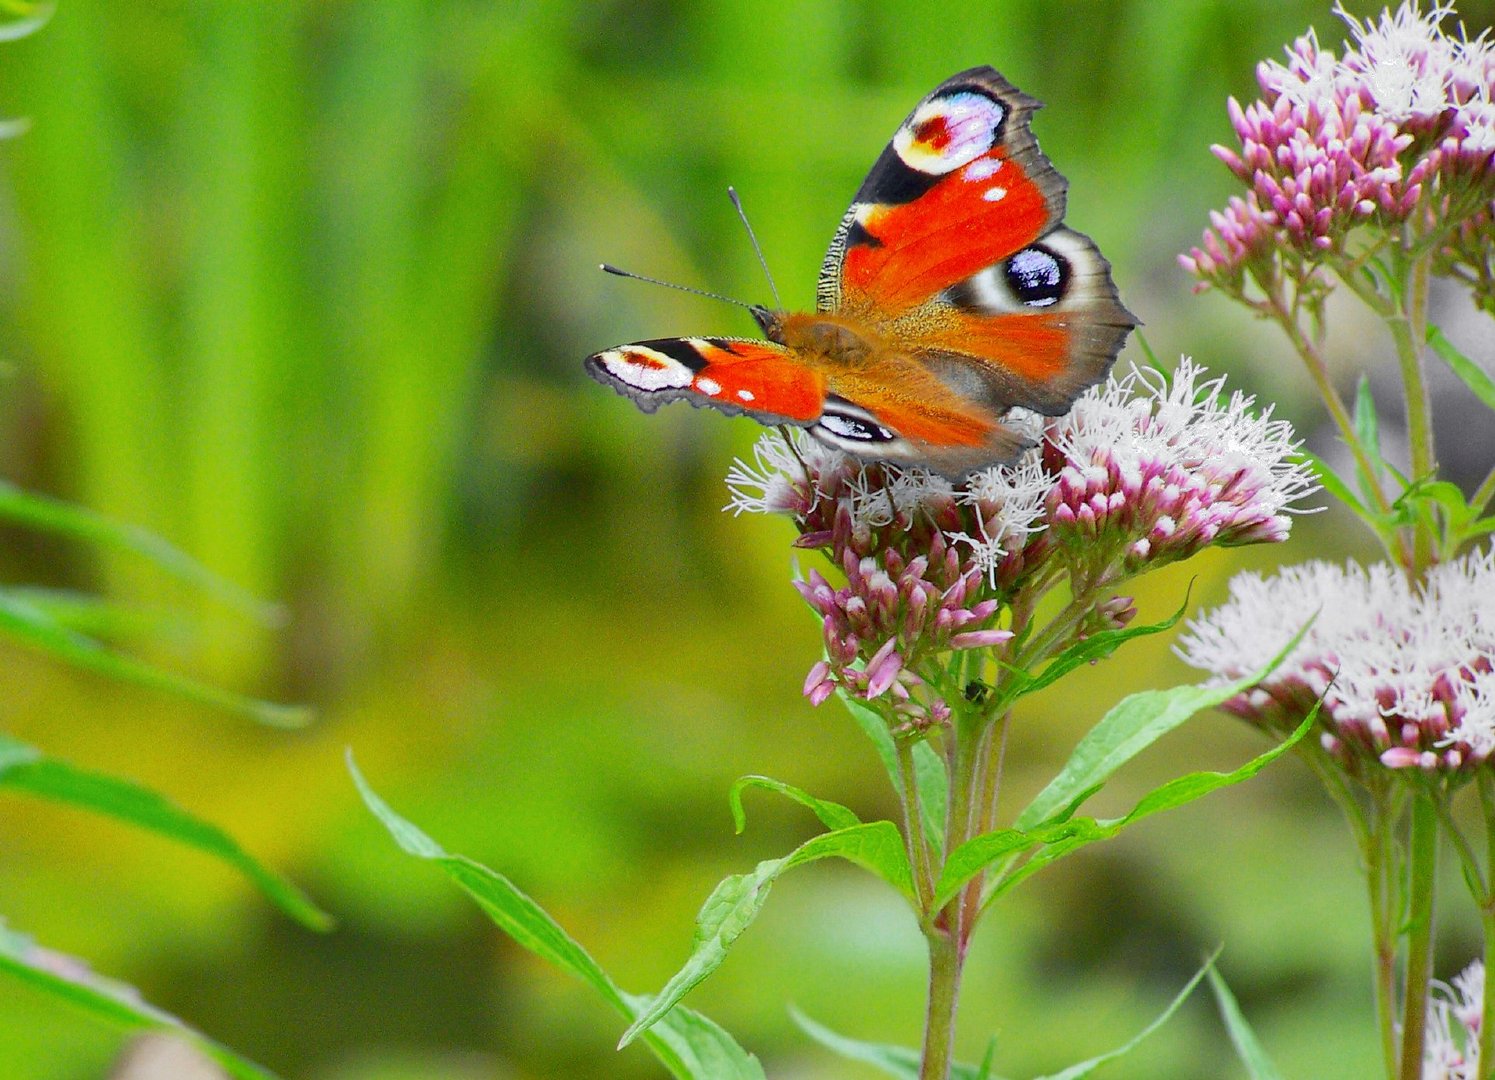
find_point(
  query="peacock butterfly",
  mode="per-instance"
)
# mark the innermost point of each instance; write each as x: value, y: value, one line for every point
x: 952, y: 292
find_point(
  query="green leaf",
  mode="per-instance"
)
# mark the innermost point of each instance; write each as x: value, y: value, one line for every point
x: 1247, y: 1046
x: 1474, y: 376
x: 929, y: 769
x: 876, y: 729
x: 1338, y: 487
x: 980, y: 852
x: 31, y: 625
x: 831, y: 814
x: 1134, y: 724
x: 1097, y: 646
x: 64, y: 519
x: 24, y: 768
x: 1150, y: 356
x: 685, y: 1042
x: 1085, y: 1068
x: 120, y: 1006
x: 896, y: 1061
x: 736, y: 901
x: 1368, y: 432
x: 934, y: 793
x: 1065, y: 838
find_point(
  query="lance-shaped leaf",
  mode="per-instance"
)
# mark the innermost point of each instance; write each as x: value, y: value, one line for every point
x: 1134, y: 724
x: 1096, y: 646
x: 901, y: 1062
x: 1474, y: 376
x: 929, y: 769
x: 735, y: 902
x: 66, y: 979
x: 1069, y: 836
x: 831, y: 814
x: 1051, y: 842
x: 689, y: 1045
x: 24, y: 768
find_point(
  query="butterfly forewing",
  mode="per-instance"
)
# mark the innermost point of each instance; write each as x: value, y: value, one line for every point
x: 736, y: 375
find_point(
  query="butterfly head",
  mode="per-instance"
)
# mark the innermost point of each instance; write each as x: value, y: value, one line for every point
x: 769, y: 321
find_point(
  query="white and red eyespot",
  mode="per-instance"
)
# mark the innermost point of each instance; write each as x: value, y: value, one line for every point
x: 948, y: 132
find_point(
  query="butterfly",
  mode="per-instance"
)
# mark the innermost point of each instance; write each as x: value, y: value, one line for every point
x: 952, y: 293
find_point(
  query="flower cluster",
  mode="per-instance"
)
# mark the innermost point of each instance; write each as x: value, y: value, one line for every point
x: 1402, y: 127
x: 1455, y: 1012
x: 1159, y: 468
x: 1144, y: 470
x: 1405, y: 673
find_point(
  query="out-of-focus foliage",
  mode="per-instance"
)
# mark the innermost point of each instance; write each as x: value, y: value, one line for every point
x: 303, y: 288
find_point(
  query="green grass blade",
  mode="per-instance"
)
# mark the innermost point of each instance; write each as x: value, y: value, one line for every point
x: 1085, y: 1068
x: 1247, y: 1046
x: 32, y: 626
x: 116, y: 1004
x: 25, y: 769
x: 685, y: 1042
x: 64, y: 519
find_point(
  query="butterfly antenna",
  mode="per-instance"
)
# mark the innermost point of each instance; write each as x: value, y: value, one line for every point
x: 610, y: 269
x: 737, y: 202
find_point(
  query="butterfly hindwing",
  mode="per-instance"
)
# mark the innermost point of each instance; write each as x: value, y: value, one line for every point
x: 736, y: 375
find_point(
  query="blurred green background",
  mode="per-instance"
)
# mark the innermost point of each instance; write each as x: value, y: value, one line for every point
x: 304, y: 287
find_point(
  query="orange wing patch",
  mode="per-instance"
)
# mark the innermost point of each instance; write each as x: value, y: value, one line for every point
x: 758, y: 377
x: 973, y: 217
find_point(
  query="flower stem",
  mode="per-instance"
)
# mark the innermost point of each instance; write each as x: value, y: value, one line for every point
x: 1380, y: 877
x: 945, y: 962
x: 913, y: 826
x: 1318, y: 370
x: 1408, y: 325
x: 1486, y: 784
x: 1423, y: 869
x: 1484, y: 493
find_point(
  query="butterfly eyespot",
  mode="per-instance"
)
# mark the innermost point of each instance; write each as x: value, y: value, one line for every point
x: 949, y: 131
x: 1037, y: 276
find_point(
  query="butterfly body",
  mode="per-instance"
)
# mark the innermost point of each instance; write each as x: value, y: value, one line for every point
x: 951, y: 293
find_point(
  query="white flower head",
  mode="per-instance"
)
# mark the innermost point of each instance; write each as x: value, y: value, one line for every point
x: 1171, y: 464
x: 1451, y: 1046
x: 1404, y: 61
x: 1410, y: 670
x: 777, y: 480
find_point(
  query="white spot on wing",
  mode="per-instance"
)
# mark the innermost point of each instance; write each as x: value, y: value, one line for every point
x: 983, y: 168
x: 645, y: 369
x: 746, y: 395
x: 710, y: 387
x: 994, y: 194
